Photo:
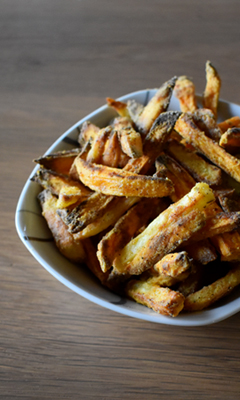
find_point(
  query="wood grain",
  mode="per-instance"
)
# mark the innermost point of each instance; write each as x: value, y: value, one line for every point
x: 59, y: 60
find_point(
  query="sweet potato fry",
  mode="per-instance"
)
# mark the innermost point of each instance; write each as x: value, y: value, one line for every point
x: 200, y: 169
x: 205, y: 120
x: 87, y: 133
x: 212, y: 89
x: 112, y: 151
x: 112, y: 181
x: 206, y: 296
x: 162, y: 300
x: 184, y: 90
x: 113, y: 212
x: 67, y: 245
x: 168, y: 231
x: 233, y: 122
x: 126, y: 228
x: 187, y: 128
x: 228, y: 245
x: 158, y: 104
x: 59, y: 162
x: 98, y: 144
x: 55, y: 182
x: 131, y: 142
x: 119, y: 106
x: 230, y: 140
x: 173, y: 264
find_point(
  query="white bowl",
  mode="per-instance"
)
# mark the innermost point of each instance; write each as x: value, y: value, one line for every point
x: 35, y: 235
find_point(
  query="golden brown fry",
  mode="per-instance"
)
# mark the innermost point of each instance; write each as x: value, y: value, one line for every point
x: 92, y: 261
x: 59, y: 162
x: 230, y: 140
x: 55, y: 182
x: 183, y: 182
x: 205, y: 120
x: 88, y: 132
x: 112, y: 151
x: 112, y: 213
x: 173, y: 264
x: 158, y: 104
x: 126, y: 228
x: 67, y: 245
x: 187, y: 128
x: 233, y: 122
x: 112, y: 181
x: 184, y: 90
x: 203, y: 251
x: 131, y: 142
x: 212, y: 89
x: 228, y: 245
x: 200, y: 169
x: 162, y: 300
x: 168, y: 231
x: 119, y: 106
x: 98, y: 144
x: 208, y: 295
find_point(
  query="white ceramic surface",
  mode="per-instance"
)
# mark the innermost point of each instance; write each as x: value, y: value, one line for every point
x: 30, y: 224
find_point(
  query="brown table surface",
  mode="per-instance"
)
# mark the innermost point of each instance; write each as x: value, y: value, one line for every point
x: 58, y: 62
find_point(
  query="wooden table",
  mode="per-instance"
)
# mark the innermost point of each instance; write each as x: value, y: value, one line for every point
x: 58, y: 62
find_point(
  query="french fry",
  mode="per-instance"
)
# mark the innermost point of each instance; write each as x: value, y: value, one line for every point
x: 158, y: 104
x: 67, y: 245
x: 200, y: 169
x: 112, y: 213
x: 184, y: 90
x: 55, y: 182
x: 115, y: 182
x: 174, y: 264
x: 119, y: 106
x: 59, y: 162
x: 112, y: 151
x: 166, y: 232
x: 228, y: 245
x: 206, y: 296
x: 162, y: 300
x: 212, y: 89
x: 187, y: 128
x: 205, y: 120
x: 87, y: 133
x: 230, y: 140
x: 203, y: 251
x: 98, y: 144
x: 125, y: 229
x: 131, y: 142
x: 233, y: 122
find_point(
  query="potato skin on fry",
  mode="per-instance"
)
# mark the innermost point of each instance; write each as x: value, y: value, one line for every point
x: 112, y: 181
x: 209, y: 294
x: 162, y: 300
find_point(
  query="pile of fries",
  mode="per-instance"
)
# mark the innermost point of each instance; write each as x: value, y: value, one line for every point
x: 151, y: 202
